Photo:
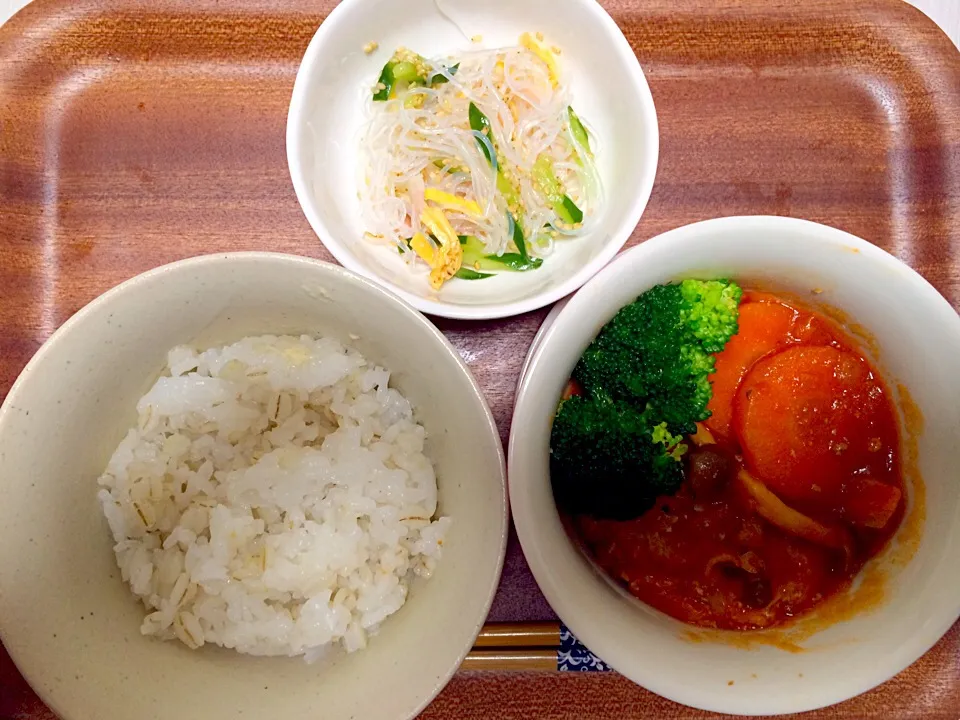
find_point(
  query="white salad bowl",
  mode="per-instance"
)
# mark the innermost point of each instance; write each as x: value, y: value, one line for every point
x: 73, y: 626
x: 329, y: 109
x: 915, y: 342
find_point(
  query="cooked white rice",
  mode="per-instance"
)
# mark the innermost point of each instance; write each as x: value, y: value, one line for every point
x: 274, y: 498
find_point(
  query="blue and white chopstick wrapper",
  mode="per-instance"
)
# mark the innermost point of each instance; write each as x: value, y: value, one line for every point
x: 573, y: 656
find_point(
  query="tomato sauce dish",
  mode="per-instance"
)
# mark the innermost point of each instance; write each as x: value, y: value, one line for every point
x: 727, y: 457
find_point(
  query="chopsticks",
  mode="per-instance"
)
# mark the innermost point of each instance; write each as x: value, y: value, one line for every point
x: 515, y: 646
x: 515, y: 659
x: 529, y: 635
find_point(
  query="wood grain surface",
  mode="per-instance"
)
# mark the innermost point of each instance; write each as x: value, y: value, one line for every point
x: 135, y: 134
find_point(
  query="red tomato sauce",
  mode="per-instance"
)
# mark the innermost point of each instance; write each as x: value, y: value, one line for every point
x: 811, y: 491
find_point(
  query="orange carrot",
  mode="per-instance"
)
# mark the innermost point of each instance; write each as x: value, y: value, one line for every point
x: 796, y: 413
x: 762, y: 327
x: 869, y: 502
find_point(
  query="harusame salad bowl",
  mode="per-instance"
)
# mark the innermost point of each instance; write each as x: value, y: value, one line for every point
x: 331, y: 103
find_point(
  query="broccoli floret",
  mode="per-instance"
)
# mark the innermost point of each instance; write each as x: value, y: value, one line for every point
x: 709, y: 309
x: 605, y: 462
x: 616, y: 448
x: 672, y: 445
x: 658, y: 350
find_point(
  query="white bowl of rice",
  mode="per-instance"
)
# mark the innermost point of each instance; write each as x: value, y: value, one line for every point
x: 247, y: 484
x: 479, y: 159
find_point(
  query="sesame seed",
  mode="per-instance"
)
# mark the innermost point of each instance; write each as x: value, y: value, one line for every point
x: 477, y: 39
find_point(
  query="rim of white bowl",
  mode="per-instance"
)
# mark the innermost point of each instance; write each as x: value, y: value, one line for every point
x: 669, y: 685
x: 538, y: 338
x: 493, y: 310
x: 323, y: 266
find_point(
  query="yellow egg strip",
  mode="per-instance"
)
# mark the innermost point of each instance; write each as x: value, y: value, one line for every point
x: 424, y: 248
x: 450, y: 256
x: 452, y: 202
x: 549, y: 59
x: 438, y: 224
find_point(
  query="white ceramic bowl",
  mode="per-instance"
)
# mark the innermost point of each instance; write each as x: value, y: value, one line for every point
x: 917, y: 339
x: 327, y: 114
x: 538, y: 338
x: 69, y: 622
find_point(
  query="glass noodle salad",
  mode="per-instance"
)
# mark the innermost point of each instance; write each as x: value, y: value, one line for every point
x: 476, y: 165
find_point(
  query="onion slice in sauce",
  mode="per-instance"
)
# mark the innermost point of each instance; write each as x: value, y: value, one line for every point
x: 702, y: 436
x: 776, y: 512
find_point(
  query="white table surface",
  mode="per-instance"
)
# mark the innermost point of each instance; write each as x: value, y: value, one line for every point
x: 945, y: 13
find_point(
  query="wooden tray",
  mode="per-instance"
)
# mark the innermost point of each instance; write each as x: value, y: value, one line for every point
x: 134, y: 134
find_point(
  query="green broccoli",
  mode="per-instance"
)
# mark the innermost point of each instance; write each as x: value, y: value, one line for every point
x: 617, y: 447
x: 710, y: 309
x: 672, y: 445
x: 658, y: 350
x: 604, y: 461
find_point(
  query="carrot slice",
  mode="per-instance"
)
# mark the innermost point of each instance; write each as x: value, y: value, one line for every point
x: 869, y: 502
x: 772, y: 509
x: 796, y: 414
x: 763, y: 326
x: 812, y: 330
